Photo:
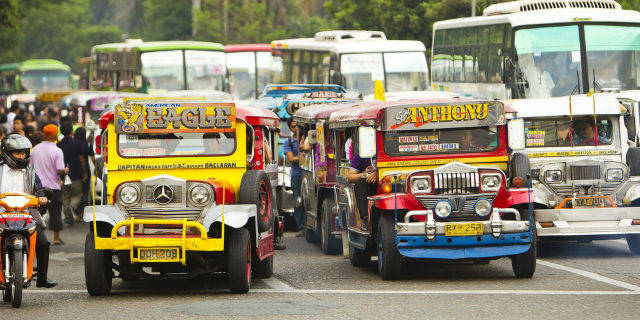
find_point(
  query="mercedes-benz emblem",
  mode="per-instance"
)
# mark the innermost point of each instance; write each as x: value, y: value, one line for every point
x: 162, y: 194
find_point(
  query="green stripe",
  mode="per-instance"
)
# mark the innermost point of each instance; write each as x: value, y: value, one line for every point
x: 159, y: 46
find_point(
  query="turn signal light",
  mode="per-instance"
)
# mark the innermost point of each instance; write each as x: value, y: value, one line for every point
x: 517, y: 182
x: 546, y: 224
x: 635, y: 222
x: 386, y: 188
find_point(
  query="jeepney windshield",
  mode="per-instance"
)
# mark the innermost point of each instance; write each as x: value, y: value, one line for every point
x: 166, y: 70
x: 403, y: 71
x: 440, y: 141
x: 562, y: 132
x: 176, y: 144
x: 36, y: 81
x: 550, y: 59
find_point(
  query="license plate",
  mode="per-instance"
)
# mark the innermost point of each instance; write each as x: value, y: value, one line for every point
x: 158, y: 254
x: 463, y: 229
x: 591, y: 202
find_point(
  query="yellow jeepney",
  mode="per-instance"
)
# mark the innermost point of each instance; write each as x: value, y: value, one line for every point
x: 187, y: 193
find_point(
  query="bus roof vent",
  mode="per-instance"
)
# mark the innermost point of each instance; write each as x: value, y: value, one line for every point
x: 535, y: 5
x: 338, y: 35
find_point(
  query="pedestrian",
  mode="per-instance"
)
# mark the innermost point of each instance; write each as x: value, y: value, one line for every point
x: 13, y: 112
x: 291, y: 150
x: 18, y: 125
x: 3, y: 132
x: 75, y: 160
x: 48, y: 161
x: 80, y: 135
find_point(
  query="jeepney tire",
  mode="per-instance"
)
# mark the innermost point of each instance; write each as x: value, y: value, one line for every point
x: 524, y: 264
x: 255, y: 188
x: 633, y: 242
x: 633, y: 161
x: 6, y: 295
x: 328, y: 241
x: 262, y: 269
x: 389, y: 258
x: 358, y: 257
x: 239, y: 260
x: 520, y: 167
x: 97, y: 269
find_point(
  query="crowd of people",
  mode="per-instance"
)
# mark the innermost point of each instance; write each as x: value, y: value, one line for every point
x: 61, y: 152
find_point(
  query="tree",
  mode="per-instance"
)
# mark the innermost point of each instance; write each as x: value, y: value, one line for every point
x: 167, y: 19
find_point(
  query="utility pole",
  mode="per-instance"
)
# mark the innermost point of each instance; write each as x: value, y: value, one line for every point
x: 473, y: 8
x: 195, y: 9
x: 225, y: 20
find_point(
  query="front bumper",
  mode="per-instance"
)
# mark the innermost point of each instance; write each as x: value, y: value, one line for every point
x: 587, y: 221
x: 427, y: 240
x: 285, y: 200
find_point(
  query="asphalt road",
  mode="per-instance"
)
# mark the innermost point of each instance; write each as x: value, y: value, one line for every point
x: 598, y: 280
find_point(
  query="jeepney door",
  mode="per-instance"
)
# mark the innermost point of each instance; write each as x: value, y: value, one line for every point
x: 346, y: 197
x: 271, y: 166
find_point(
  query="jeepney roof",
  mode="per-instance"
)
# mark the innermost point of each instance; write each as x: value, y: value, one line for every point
x: 53, y: 95
x: 212, y: 95
x: 80, y: 98
x: 280, y: 90
x: 22, y: 97
x: 425, y: 94
x: 628, y: 94
x: 554, y: 107
x: 316, y: 112
x: 247, y: 47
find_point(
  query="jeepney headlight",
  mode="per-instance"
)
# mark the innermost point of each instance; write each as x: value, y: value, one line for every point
x: 129, y: 194
x: 443, y: 209
x: 553, y: 176
x: 200, y: 194
x: 482, y: 207
x: 615, y: 174
x: 490, y: 182
x: 421, y: 185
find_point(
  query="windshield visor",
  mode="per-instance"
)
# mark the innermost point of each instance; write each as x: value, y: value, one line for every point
x: 440, y: 141
x: 562, y: 132
x: 36, y: 81
x: 613, y: 56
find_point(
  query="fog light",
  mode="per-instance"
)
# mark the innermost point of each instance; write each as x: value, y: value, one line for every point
x: 482, y: 207
x: 443, y: 208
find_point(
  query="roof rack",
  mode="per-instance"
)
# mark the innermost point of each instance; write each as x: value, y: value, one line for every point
x: 338, y: 35
x: 535, y: 5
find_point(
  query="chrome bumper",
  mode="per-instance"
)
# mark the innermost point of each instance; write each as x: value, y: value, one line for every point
x: 285, y: 200
x: 587, y: 221
x: 494, y: 226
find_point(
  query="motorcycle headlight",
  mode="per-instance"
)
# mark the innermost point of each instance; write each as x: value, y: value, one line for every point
x: 490, y: 182
x: 443, y: 209
x: 200, y: 194
x: 482, y: 207
x: 553, y: 176
x: 129, y: 194
x: 615, y: 174
x: 421, y: 184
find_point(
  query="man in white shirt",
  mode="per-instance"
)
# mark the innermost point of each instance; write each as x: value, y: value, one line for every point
x: 18, y: 175
x: 13, y: 112
x: 540, y: 81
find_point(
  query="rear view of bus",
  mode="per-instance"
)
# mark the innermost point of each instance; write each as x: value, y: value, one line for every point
x: 354, y: 59
x: 158, y: 66
x: 539, y: 49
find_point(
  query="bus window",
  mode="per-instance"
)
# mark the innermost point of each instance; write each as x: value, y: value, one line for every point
x: 163, y: 70
x: 241, y: 69
x: 264, y: 65
x: 614, y: 62
x: 360, y: 70
x: 205, y: 69
x: 406, y: 71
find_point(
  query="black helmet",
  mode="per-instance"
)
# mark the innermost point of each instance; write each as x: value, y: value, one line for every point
x: 15, y: 142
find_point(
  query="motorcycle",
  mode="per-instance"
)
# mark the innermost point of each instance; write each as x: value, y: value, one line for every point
x: 17, y: 245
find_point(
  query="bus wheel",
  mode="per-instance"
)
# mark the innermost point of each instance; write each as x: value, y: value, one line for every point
x: 328, y: 241
x: 97, y: 269
x: 256, y: 189
x: 389, y: 258
x: 239, y: 260
x: 524, y: 264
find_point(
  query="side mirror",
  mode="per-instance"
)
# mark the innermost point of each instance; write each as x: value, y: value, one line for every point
x: 366, y: 142
x: 98, y: 144
x: 515, y: 133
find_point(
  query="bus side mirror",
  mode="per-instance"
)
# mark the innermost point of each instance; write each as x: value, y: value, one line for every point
x: 366, y: 142
x: 515, y: 133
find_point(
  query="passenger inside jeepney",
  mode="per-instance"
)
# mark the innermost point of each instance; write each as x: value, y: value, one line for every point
x: 364, y: 178
x: 310, y: 142
x: 216, y: 143
x: 586, y: 132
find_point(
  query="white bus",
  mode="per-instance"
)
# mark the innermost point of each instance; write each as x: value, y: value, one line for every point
x: 353, y: 59
x: 538, y: 49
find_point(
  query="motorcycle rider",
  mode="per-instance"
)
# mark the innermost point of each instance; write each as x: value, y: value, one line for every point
x: 18, y: 175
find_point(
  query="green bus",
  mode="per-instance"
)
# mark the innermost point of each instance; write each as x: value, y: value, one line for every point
x: 158, y: 66
x: 34, y: 76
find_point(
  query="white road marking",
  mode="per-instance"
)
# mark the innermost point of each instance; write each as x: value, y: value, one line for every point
x: 277, y: 284
x: 391, y: 292
x: 591, y: 275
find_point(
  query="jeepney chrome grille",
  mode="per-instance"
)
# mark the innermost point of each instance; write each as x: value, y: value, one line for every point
x: 462, y: 205
x: 176, y: 189
x: 585, y: 172
x: 165, y: 213
x: 456, y: 183
x: 607, y: 189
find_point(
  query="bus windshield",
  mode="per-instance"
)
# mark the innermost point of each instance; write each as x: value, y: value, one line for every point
x: 423, y: 142
x: 248, y: 73
x: 562, y: 132
x: 165, y: 70
x: 550, y: 59
x: 36, y: 81
x: 176, y: 144
x: 400, y: 71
